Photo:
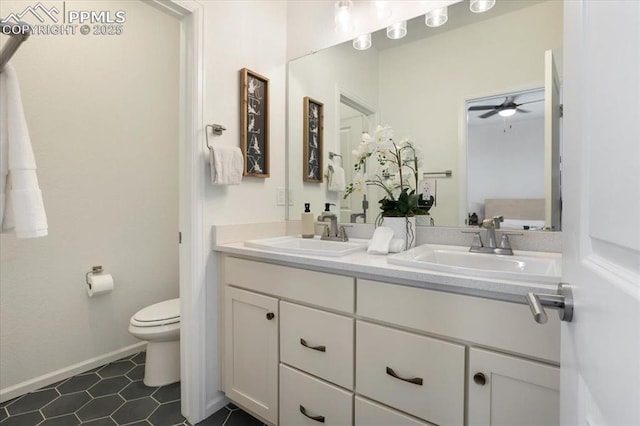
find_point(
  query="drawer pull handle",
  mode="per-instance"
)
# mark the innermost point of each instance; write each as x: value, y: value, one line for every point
x: 415, y: 380
x: 479, y: 379
x: 315, y: 348
x: 270, y: 315
x: 319, y: 419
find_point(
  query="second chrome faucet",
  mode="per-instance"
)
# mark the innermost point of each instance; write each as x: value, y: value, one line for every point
x: 332, y: 231
x: 491, y: 246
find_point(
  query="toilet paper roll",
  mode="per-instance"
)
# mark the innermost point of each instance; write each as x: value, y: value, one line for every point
x: 99, y: 284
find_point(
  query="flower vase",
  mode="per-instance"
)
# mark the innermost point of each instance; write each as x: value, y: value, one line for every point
x: 403, y: 228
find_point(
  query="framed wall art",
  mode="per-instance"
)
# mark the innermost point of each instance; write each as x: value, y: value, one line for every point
x: 313, y: 115
x: 254, y: 123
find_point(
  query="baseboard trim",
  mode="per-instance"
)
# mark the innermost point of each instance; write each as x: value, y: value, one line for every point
x: 215, y: 404
x: 64, y: 373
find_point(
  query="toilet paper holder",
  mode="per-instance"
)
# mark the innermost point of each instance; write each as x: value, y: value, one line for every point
x: 94, y: 270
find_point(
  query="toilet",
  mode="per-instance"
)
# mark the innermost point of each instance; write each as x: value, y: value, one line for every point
x: 159, y: 326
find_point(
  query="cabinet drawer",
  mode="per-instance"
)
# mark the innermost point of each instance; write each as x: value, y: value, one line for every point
x: 369, y: 413
x: 433, y: 373
x: 303, y: 397
x: 503, y: 325
x: 315, y: 288
x: 317, y: 342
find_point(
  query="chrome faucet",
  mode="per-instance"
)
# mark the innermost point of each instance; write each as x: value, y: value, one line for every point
x: 331, y: 231
x: 492, y: 247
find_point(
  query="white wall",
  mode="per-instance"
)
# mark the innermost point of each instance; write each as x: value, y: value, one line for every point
x: 505, y: 161
x: 240, y: 34
x: 103, y: 117
x: 446, y: 69
x: 323, y: 76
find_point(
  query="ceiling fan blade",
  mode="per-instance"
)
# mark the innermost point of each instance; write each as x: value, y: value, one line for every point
x: 488, y: 114
x: 482, y: 107
x: 530, y: 102
x: 522, y: 110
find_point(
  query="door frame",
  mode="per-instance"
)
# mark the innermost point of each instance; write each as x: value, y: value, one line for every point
x: 193, y: 254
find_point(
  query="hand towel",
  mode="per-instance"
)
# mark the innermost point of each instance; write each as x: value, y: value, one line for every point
x: 336, y: 180
x: 226, y: 164
x: 379, y: 243
x: 21, y: 205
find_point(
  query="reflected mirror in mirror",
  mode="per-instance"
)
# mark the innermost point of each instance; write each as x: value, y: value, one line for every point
x: 420, y: 86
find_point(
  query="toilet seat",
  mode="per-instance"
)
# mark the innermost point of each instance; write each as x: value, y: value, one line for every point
x: 163, y: 313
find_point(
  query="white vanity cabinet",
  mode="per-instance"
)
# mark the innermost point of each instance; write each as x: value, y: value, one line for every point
x: 507, y: 390
x: 345, y: 351
x: 251, y: 351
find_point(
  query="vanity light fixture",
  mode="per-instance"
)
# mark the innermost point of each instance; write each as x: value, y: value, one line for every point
x: 383, y: 9
x: 479, y: 6
x: 436, y: 17
x: 342, y: 16
x: 507, y: 112
x: 362, y: 42
x: 397, y: 30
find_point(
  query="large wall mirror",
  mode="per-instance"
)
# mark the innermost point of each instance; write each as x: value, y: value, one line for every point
x: 423, y: 87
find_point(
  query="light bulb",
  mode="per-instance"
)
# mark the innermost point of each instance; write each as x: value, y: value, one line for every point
x: 508, y: 112
x: 479, y: 6
x: 383, y: 9
x: 362, y: 42
x: 436, y: 17
x: 397, y: 30
x: 342, y: 16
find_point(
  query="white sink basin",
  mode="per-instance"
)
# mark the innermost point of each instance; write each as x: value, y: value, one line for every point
x: 530, y: 266
x: 310, y: 246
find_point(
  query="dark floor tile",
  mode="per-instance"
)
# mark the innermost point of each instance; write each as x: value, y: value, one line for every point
x: 167, y: 415
x: 105, y: 421
x: 100, y: 407
x: 133, y: 411
x: 78, y: 383
x: 68, y: 420
x: 32, y: 401
x: 168, y: 393
x: 93, y: 370
x: 136, y: 390
x: 28, y: 419
x: 216, y: 419
x: 3, y: 414
x: 66, y: 404
x: 140, y: 358
x: 142, y: 423
x: 9, y: 401
x: 109, y: 386
x: 240, y: 418
x: 115, y: 369
x: 136, y: 373
x: 231, y: 406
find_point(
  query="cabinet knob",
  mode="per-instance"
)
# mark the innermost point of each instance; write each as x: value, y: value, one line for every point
x: 270, y: 315
x: 479, y: 379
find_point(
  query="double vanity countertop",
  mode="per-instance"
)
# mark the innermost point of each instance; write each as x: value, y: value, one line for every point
x: 362, y: 265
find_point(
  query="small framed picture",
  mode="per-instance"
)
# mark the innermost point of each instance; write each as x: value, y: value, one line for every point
x: 313, y: 116
x: 254, y: 123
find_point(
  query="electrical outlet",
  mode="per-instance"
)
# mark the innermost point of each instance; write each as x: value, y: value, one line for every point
x: 280, y: 196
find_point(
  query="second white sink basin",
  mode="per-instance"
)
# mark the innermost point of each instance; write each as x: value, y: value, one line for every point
x: 310, y: 246
x: 529, y: 266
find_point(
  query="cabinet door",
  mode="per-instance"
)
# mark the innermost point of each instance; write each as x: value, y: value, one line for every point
x: 368, y: 413
x: 506, y: 390
x: 251, y: 352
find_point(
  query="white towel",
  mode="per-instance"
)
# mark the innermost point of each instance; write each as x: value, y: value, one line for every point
x: 336, y: 180
x: 379, y: 243
x: 21, y: 205
x: 227, y: 164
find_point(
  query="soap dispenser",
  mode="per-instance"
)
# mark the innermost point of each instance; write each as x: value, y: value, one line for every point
x: 307, y: 222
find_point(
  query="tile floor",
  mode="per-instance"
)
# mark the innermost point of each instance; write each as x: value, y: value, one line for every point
x: 109, y: 395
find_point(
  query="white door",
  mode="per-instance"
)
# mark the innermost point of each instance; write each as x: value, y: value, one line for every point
x: 351, y: 129
x: 600, y: 378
